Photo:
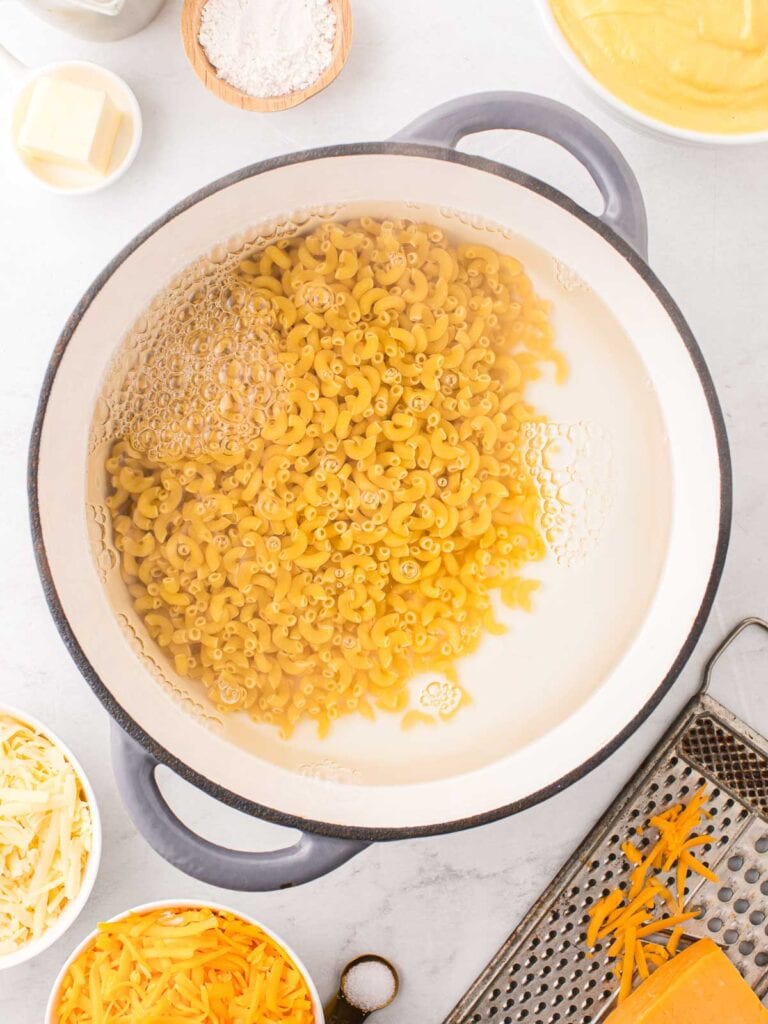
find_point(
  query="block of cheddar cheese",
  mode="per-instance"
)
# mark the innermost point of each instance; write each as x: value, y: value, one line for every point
x: 701, y: 985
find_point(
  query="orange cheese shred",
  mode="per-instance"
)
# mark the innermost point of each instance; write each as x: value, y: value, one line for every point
x: 645, y: 905
x: 182, y: 965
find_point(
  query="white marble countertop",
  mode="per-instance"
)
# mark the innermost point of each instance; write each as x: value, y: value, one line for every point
x: 438, y: 907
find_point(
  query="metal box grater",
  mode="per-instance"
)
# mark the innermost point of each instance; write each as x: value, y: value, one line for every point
x: 542, y: 974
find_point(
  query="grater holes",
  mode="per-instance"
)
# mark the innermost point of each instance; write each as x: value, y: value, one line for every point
x: 548, y: 999
x: 725, y: 894
x: 735, y: 863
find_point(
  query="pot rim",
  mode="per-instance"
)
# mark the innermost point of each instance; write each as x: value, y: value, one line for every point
x: 272, y: 814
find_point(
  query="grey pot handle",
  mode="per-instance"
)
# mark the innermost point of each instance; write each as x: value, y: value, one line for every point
x: 447, y: 124
x: 311, y: 857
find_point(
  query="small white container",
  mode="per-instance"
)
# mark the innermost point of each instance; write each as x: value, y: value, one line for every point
x: 51, y: 1014
x: 628, y: 113
x: 99, y: 20
x: 72, y: 910
x: 58, y: 177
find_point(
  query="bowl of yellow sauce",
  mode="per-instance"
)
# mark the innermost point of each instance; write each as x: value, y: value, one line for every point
x: 693, y: 69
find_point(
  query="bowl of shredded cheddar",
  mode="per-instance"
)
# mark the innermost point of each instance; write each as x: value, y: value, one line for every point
x: 50, y: 838
x: 693, y: 69
x: 183, y: 961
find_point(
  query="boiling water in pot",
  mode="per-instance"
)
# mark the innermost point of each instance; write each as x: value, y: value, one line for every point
x: 199, y: 370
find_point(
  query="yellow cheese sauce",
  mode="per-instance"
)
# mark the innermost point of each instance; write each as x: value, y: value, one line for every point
x: 695, y: 64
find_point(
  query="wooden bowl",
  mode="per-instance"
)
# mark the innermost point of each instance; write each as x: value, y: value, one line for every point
x: 191, y: 14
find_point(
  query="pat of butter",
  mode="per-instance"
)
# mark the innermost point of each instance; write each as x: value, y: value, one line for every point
x: 69, y: 123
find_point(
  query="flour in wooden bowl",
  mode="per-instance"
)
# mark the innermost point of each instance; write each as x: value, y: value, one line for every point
x: 268, y: 47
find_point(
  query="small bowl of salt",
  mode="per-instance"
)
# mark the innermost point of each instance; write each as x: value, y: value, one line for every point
x: 368, y: 983
x: 266, y: 55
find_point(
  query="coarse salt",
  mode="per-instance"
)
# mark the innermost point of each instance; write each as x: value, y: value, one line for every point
x: 369, y: 985
x: 268, y: 47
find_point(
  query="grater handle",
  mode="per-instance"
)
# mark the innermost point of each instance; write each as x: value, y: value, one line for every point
x: 735, y: 632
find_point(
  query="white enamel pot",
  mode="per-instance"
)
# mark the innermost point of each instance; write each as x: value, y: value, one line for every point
x: 613, y: 625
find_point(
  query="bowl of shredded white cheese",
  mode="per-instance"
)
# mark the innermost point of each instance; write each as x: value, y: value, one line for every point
x: 50, y: 837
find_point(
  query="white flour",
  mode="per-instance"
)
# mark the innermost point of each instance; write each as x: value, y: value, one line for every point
x: 268, y: 47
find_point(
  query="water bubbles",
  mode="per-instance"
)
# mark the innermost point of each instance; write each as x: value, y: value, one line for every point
x: 409, y: 569
x: 229, y: 694
x: 317, y: 295
x: 571, y: 466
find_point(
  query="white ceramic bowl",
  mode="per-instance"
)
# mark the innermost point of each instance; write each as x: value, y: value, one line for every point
x: 50, y: 1012
x: 629, y: 113
x: 67, y: 180
x: 72, y: 911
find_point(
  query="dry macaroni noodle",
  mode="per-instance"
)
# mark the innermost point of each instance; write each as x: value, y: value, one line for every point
x: 347, y: 533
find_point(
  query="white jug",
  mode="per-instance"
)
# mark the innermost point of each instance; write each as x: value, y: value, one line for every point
x: 98, y: 20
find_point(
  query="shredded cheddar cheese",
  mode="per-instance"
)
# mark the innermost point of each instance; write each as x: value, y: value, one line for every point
x: 45, y: 834
x: 169, y: 966
x: 635, y: 912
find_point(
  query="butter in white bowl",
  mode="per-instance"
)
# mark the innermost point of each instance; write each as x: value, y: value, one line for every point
x: 70, y: 123
x: 76, y: 127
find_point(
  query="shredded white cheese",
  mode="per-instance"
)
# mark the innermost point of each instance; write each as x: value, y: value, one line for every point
x: 45, y: 834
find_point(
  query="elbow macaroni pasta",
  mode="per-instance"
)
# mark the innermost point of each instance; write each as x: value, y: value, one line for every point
x: 345, y: 532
